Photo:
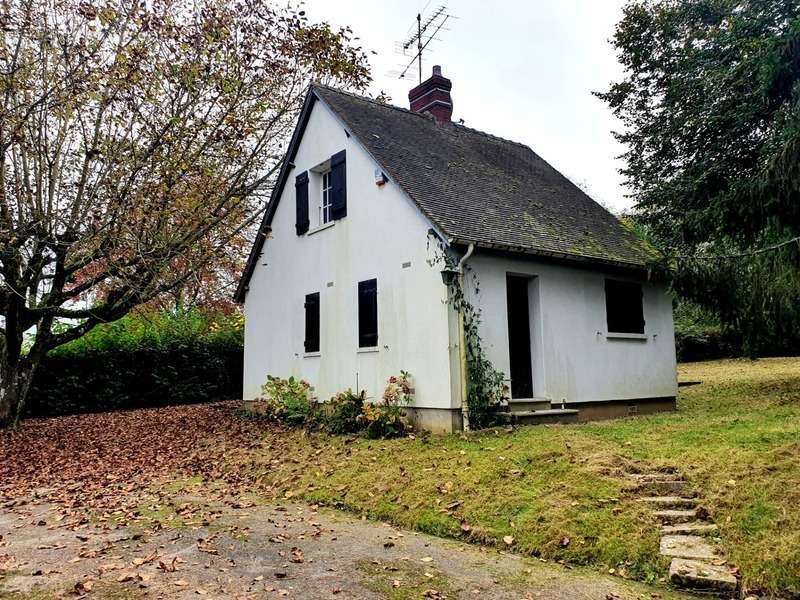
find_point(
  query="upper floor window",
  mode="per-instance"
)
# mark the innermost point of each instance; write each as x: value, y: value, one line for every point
x: 330, y: 178
x: 624, y: 306
x: 326, y: 199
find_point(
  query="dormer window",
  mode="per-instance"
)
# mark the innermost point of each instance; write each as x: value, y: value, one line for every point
x: 326, y: 199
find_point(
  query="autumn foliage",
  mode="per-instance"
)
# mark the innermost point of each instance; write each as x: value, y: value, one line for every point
x: 137, y: 142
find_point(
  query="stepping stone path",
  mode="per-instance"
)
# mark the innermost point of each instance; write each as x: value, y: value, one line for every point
x: 697, y: 562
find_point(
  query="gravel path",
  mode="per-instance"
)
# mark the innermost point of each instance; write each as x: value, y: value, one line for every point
x: 271, y: 551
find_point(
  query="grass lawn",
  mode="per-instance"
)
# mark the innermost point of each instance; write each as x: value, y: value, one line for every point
x: 563, y: 492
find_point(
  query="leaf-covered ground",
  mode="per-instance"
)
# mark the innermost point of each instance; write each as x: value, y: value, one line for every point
x: 105, y: 463
x: 560, y: 493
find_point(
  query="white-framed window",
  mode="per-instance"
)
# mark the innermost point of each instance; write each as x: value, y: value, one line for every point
x: 326, y: 199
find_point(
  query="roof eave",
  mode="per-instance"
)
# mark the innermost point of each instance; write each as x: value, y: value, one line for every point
x: 264, y: 227
x: 551, y: 254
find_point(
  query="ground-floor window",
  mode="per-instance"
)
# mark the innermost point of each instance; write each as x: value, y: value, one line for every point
x: 368, y: 313
x: 312, y: 322
x: 624, y: 306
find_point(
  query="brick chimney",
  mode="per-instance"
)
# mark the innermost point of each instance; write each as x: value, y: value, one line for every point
x: 433, y: 96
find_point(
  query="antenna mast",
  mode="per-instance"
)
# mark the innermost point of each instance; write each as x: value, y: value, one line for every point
x: 427, y: 28
x: 419, y: 45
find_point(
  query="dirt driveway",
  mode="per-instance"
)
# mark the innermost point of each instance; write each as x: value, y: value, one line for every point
x: 291, y: 551
x: 159, y: 504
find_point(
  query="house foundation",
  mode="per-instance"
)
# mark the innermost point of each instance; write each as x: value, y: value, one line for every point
x: 450, y: 420
x: 435, y: 420
x: 615, y: 409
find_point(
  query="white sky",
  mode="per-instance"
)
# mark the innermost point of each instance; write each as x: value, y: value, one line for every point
x: 523, y: 70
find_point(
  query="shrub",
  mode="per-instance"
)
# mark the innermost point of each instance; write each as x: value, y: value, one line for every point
x: 700, y: 336
x: 290, y: 401
x: 159, y: 330
x: 386, y: 419
x: 382, y: 421
x: 344, y: 412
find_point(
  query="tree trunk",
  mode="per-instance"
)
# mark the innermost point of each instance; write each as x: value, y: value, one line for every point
x: 6, y: 408
x: 15, y: 383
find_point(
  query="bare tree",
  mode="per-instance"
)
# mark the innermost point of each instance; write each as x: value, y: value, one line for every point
x: 134, y: 137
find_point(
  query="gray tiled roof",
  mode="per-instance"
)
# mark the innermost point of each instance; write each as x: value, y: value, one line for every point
x: 479, y: 188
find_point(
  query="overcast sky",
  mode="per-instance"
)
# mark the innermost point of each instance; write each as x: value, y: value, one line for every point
x: 523, y: 70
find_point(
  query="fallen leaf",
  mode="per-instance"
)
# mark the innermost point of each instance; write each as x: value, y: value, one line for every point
x: 83, y: 587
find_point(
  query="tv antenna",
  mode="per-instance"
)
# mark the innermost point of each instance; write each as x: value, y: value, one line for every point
x: 417, y: 41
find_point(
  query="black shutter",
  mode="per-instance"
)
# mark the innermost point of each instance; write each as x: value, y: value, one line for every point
x: 312, y: 323
x: 368, y: 313
x: 339, y: 185
x: 301, y: 197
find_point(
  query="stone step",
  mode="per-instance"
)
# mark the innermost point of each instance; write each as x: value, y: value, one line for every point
x: 671, y: 474
x: 662, y: 486
x: 535, y: 417
x: 528, y: 404
x: 665, y: 502
x: 698, y: 575
x: 687, y: 546
x: 690, y: 528
x: 673, y: 516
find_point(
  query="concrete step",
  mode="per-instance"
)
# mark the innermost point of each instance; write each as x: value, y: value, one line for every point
x: 699, y: 575
x: 664, y: 487
x: 665, y: 502
x: 528, y: 404
x: 671, y: 473
x: 687, y: 546
x: 535, y: 417
x: 673, y: 516
x: 690, y: 528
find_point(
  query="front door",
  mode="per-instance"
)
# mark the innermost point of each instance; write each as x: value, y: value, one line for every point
x: 519, y: 336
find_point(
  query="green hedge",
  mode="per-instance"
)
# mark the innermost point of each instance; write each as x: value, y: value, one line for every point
x: 102, y: 381
x: 707, y: 345
x: 143, y: 360
x: 699, y: 335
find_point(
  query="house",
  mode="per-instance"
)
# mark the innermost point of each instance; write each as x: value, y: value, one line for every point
x: 342, y: 286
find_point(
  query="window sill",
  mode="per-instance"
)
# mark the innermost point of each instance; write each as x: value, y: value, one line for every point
x: 626, y: 336
x: 368, y: 350
x: 312, y: 354
x: 327, y: 225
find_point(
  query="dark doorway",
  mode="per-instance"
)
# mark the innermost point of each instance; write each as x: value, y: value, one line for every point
x: 519, y: 337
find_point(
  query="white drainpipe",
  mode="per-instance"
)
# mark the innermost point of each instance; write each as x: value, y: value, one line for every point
x: 462, y: 342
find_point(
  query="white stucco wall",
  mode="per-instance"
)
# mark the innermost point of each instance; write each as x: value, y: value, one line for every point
x: 573, y: 358
x: 382, y: 231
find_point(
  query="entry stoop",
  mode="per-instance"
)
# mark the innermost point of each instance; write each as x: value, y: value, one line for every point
x: 527, y: 404
x: 537, y: 417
